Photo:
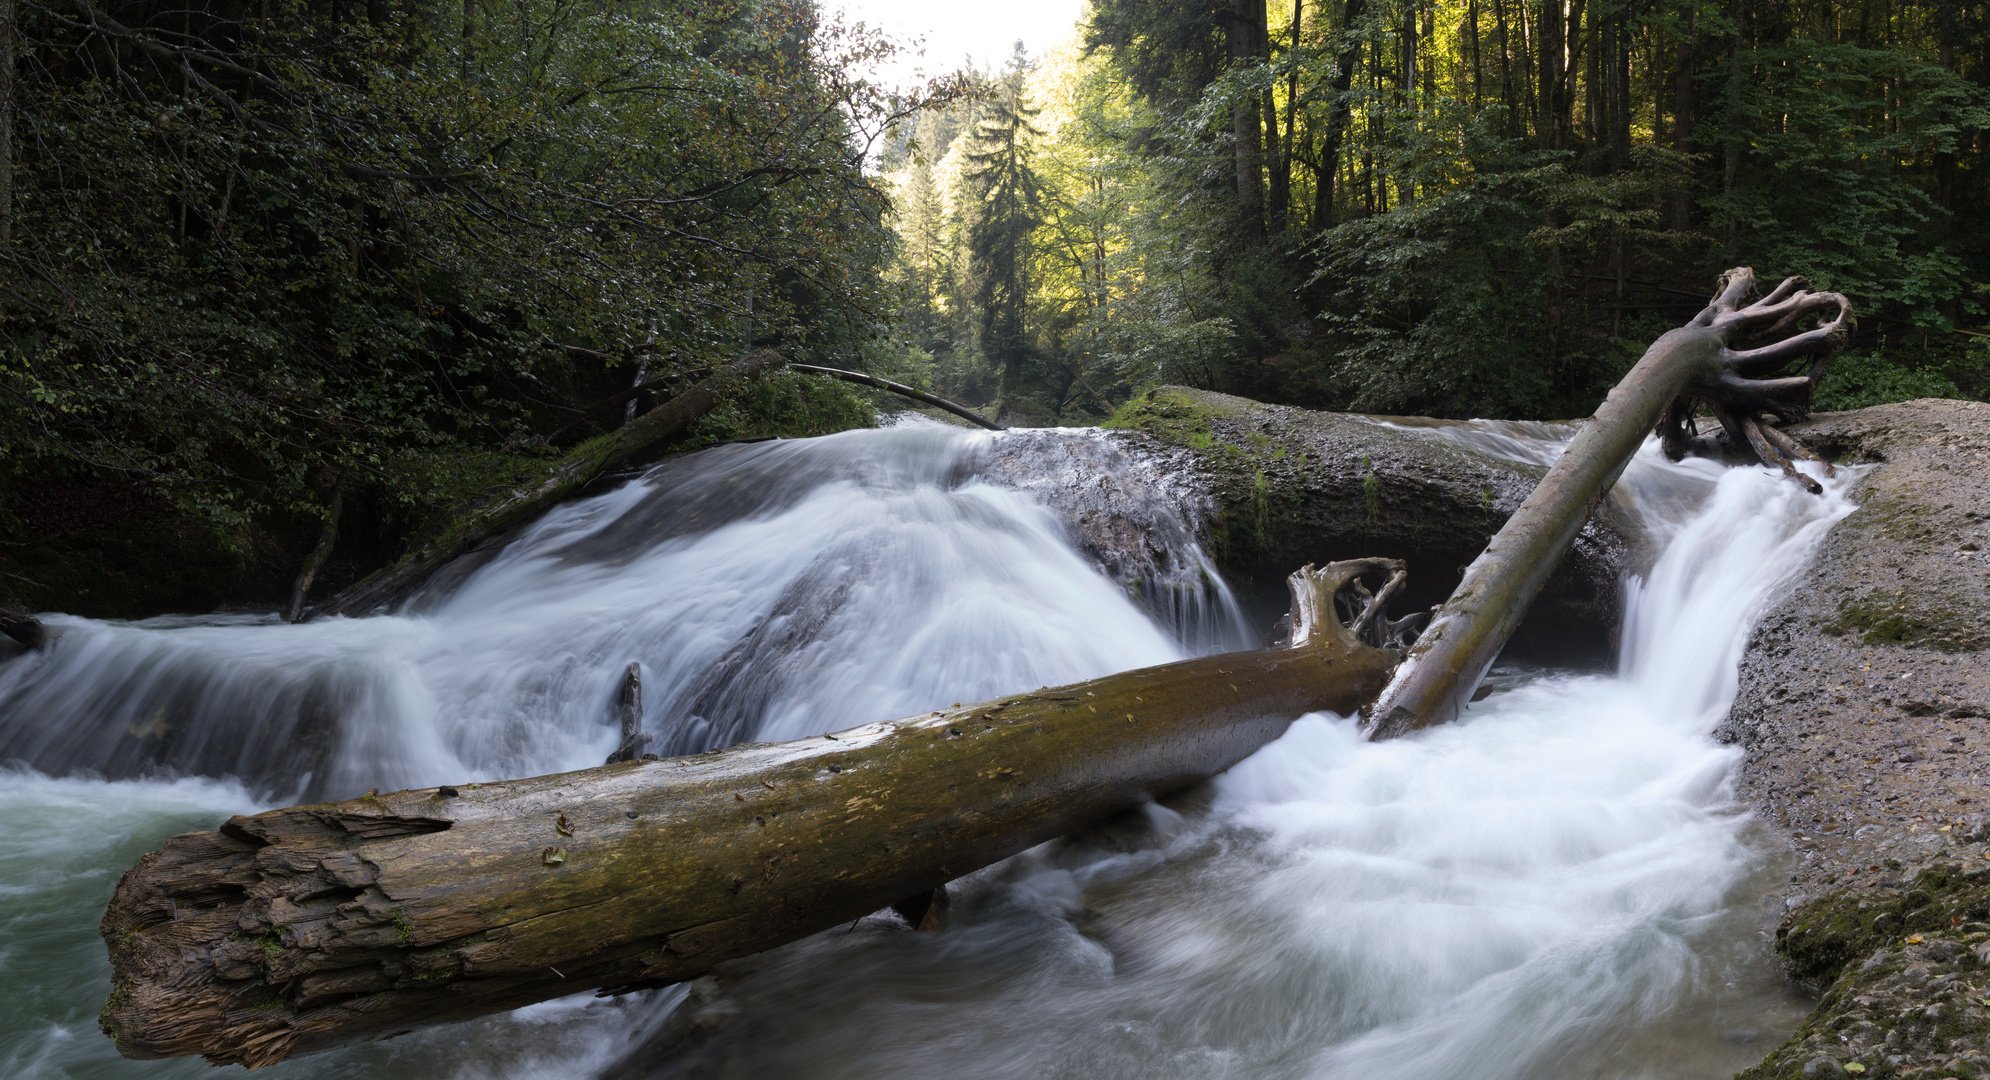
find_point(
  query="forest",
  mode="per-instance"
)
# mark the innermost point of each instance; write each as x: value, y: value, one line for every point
x: 259, y: 255
x: 1475, y: 208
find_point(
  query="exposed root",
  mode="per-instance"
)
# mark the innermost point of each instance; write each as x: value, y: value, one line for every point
x: 1760, y: 345
x: 1771, y: 455
x: 1336, y: 596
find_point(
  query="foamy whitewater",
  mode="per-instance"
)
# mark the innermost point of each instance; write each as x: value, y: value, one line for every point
x: 1555, y: 886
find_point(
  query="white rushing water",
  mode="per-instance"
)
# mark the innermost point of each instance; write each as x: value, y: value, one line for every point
x: 1556, y: 886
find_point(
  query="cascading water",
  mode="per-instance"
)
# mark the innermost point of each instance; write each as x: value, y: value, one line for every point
x: 1553, y: 887
x: 771, y: 590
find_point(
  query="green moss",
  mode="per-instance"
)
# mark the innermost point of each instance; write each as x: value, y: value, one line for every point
x: 1166, y: 414
x: 1880, y: 623
x: 1834, y: 942
x: 403, y: 929
x: 120, y: 993
x: 1824, y: 935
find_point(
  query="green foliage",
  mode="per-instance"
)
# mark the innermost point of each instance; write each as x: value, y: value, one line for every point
x: 417, y: 247
x: 1858, y: 379
x: 1814, y: 118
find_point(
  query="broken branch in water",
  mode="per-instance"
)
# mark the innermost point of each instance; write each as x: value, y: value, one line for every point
x: 632, y: 715
x: 23, y: 628
x: 327, y: 537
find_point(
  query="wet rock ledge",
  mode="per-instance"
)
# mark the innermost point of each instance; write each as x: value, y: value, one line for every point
x: 1864, y: 717
x: 1272, y: 487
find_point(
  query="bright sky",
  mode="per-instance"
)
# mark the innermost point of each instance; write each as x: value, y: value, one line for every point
x: 984, y: 29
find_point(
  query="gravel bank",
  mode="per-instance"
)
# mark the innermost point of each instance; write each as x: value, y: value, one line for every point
x: 1864, y: 715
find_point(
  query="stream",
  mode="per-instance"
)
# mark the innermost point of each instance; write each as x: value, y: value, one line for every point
x: 1560, y: 885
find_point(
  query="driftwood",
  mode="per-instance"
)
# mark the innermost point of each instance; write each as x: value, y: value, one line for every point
x: 1718, y: 360
x: 903, y: 390
x: 505, y: 513
x: 310, y: 927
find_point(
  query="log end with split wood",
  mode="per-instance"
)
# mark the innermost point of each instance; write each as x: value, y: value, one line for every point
x: 310, y: 927
x: 1730, y: 360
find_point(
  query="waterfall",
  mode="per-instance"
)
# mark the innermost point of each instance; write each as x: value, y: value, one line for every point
x: 1556, y: 886
x: 769, y: 590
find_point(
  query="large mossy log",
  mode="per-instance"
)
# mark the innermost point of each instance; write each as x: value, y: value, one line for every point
x: 562, y: 479
x: 1717, y: 361
x: 305, y: 928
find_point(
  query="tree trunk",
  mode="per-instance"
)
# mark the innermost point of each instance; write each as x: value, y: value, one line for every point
x: 8, y: 60
x: 306, y: 928
x: 562, y: 479
x: 1682, y: 122
x: 327, y: 537
x: 1693, y: 364
x: 1247, y: 19
x: 1340, y: 113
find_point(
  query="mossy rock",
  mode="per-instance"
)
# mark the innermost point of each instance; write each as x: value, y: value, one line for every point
x: 1902, y: 971
x: 1292, y: 486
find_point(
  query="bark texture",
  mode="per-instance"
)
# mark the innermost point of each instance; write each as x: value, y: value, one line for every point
x: 499, y: 517
x: 309, y: 927
x: 1716, y: 359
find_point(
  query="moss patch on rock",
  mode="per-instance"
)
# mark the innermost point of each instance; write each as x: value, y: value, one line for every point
x: 1880, y: 622
x: 1905, y: 978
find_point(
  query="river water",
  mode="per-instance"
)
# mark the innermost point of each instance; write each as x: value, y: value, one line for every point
x: 1558, y: 886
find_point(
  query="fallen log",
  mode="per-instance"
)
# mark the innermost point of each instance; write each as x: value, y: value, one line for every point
x: 903, y: 390
x: 565, y: 477
x: 1715, y: 360
x: 310, y: 927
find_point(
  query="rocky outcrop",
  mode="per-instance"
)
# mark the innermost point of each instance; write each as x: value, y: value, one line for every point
x: 1864, y: 715
x: 1282, y: 486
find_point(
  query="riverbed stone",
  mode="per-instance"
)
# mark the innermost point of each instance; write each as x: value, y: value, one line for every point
x: 1863, y: 715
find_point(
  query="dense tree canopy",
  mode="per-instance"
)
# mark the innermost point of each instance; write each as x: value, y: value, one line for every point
x: 1466, y: 207
x: 253, y: 245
